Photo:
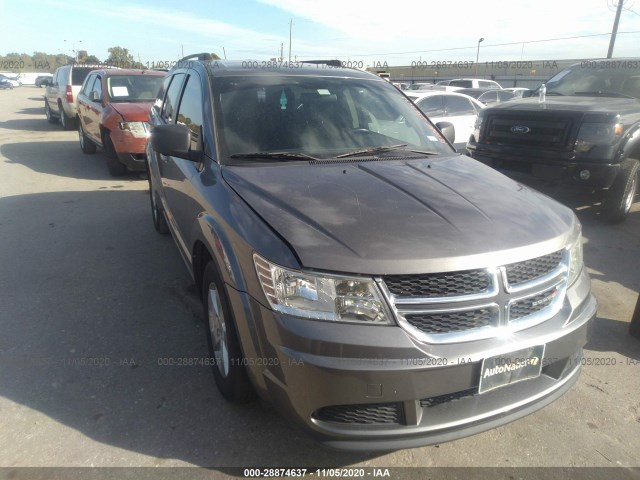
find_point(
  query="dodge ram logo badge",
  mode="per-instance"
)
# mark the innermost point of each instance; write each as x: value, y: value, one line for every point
x: 520, y: 129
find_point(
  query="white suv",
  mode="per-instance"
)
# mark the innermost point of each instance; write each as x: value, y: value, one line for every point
x: 61, y: 95
x: 474, y: 83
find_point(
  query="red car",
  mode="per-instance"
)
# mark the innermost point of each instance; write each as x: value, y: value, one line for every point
x: 113, y: 113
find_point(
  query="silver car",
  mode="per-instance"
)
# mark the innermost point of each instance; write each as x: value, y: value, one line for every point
x: 380, y: 289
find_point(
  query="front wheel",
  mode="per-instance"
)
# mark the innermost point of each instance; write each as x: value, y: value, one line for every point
x: 157, y: 212
x: 229, y: 369
x: 86, y: 145
x: 618, y: 200
x: 114, y: 165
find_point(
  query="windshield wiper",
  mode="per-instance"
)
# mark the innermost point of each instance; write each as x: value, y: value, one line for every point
x: 364, y: 151
x: 604, y: 94
x: 274, y: 156
x: 556, y: 93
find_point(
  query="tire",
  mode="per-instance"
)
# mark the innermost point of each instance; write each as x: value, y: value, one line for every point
x: 157, y: 212
x: 86, y: 145
x: 66, y: 122
x: 618, y: 200
x: 228, y: 368
x: 114, y: 165
x: 49, y: 114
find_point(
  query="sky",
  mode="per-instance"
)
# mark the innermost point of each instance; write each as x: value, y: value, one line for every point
x: 366, y: 32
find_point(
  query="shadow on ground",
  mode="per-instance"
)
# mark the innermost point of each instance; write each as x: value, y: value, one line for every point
x: 63, y: 158
x: 89, y: 317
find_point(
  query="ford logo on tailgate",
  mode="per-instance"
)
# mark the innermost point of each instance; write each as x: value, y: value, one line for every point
x: 520, y: 129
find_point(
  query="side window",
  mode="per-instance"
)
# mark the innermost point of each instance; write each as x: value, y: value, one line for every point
x: 56, y: 77
x: 97, y: 86
x: 432, y: 106
x: 504, y: 96
x: 171, y: 100
x: 160, y: 97
x: 88, y: 85
x: 459, y: 106
x: 190, y: 110
x: 488, y: 97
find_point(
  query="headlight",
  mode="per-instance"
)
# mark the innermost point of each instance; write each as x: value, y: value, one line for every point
x: 592, y: 134
x: 320, y: 297
x: 576, y: 262
x: 138, y: 129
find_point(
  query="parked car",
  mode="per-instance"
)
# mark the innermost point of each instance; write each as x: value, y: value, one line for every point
x: 43, y: 80
x: 60, y: 97
x: 12, y: 80
x: 380, y: 289
x: 113, y: 113
x: 460, y: 110
x: 488, y: 96
x: 517, y: 91
x: 473, y: 83
x: 584, y: 135
x: 5, y: 84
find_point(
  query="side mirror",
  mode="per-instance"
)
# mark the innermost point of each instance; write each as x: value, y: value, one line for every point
x: 448, y: 130
x: 174, y: 141
x: 95, y: 96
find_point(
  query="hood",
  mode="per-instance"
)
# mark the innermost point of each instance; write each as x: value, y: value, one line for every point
x: 133, y: 112
x: 573, y: 104
x: 402, y: 216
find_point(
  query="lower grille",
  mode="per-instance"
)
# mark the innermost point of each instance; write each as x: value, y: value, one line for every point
x: 365, y: 414
x: 445, y: 322
x: 530, y: 305
x: 446, y: 398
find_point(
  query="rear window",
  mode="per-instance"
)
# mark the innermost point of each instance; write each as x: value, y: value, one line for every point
x: 78, y: 75
x: 461, y: 83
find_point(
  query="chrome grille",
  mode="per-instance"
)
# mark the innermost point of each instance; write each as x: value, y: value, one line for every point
x: 449, y: 284
x: 474, y: 304
x: 530, y: 305
x: 455, y: 321
x: 531, y: 269
x: 374, y: 413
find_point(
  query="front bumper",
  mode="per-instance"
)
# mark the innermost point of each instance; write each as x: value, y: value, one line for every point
x: 552, y: 167
x: 377, y: 388
x: 130, y: 149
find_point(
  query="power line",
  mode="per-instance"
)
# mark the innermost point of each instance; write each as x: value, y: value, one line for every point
x: 488, y: 45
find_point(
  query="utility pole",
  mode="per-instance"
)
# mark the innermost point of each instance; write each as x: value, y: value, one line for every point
x: 182, y: 51
x: 224, y: 52
x: 281, y: 52
x: 615, y: 29
x: 290, y: 26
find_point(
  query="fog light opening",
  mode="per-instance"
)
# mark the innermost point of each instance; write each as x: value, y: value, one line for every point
x: 585, y: 174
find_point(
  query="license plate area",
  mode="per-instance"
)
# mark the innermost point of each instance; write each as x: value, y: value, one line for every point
x: 512, y: 367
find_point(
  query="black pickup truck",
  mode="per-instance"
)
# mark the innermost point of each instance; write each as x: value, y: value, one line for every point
x: 584, y: 133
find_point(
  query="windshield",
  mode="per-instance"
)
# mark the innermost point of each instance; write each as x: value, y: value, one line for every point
x: 600, y: 80
x: 318, y: 116
x: 133, y: 88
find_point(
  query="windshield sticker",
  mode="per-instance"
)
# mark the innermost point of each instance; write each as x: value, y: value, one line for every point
x: 323, y: 91
x: 119, y: 92
x: 262, y: 95
x: 283, y: 100
x: 432, y: 138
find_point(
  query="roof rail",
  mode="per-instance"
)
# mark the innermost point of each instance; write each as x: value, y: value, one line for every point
x: 198, y: 56
x: 331, y: 63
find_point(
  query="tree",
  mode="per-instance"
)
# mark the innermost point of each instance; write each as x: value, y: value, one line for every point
x: 120, y: 57
x: 215, y: 56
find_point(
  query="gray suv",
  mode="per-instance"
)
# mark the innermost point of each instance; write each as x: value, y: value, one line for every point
x: 377, y: 287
